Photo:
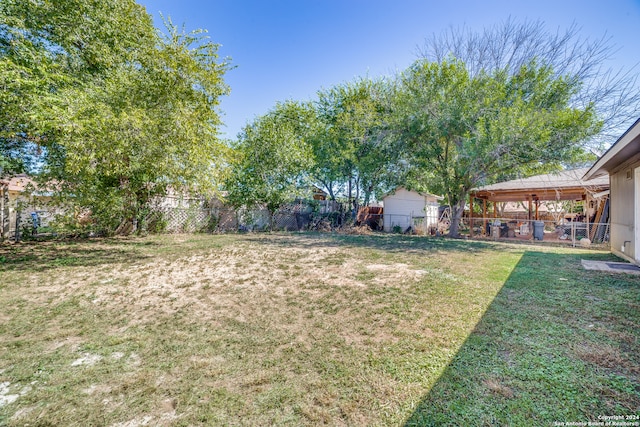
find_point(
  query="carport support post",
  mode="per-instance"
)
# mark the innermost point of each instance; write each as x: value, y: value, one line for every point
x: 529, y: 202
x: 470, y: 215
x: 484, y: 216
x: 586, y: 213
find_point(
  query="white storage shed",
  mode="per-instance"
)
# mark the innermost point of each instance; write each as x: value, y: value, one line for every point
x: 406, y: 208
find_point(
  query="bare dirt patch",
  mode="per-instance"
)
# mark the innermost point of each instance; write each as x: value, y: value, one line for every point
x: 87, y: 359
x: 73, y: 343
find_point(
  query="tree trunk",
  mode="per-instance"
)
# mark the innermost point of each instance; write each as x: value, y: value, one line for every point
x: 356, y: 200
x: 332, y: 196
x: 271, y: 215
x: 128, y: 220
x: 143, y: 199
x: 367, y: 198
x: 349, y: 191
x: 4, y: 211
x: 329, y: 187
x: 457, y: 209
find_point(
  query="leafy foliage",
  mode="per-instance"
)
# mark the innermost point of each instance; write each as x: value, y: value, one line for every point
x: 95, y: 98
x: 273, y: 157
x: 354, y: 148
x: 142, y: 129
x: 512, y: 44
x: 341, y: 141
x: 45, y: 46
x: 121, y: 112
x: 462, y: 130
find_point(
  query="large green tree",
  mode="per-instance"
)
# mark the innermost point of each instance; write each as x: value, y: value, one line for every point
x: 460, y: 129
x: 353, y: 149
x: 121, y: 111
x: 512, y: 100
x: 49, y: 45
x: 613, y: 92
x: 273, y: 158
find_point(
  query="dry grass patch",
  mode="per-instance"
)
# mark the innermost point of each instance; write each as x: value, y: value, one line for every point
x: 494, y: 385
x: 605, y: 355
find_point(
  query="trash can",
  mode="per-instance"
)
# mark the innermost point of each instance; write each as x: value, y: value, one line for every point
x: 538, y: 230
x: 495, y: 229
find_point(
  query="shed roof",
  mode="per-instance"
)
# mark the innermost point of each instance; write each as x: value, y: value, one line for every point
x: 564, y: 185
x: 391, y: 193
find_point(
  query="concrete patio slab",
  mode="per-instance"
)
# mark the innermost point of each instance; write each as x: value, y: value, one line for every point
x: 611, y: 267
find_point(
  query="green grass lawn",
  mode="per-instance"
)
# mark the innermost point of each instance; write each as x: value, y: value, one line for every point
x: 307, y: 329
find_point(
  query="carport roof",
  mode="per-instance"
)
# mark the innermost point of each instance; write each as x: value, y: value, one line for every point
x: 564, y: 185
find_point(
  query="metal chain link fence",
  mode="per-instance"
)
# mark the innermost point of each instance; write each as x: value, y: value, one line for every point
x: 326, y: 216
x: 293, y: 217
x: 576, y: 233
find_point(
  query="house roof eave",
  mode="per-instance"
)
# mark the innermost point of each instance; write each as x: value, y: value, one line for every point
x: 625, y: 147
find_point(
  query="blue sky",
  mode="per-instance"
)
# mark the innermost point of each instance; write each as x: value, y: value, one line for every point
x: 289, y: 49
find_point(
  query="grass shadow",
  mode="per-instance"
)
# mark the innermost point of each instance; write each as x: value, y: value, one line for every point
x: 39, y: 256
x: 557, y: 344
x: 393, y: 243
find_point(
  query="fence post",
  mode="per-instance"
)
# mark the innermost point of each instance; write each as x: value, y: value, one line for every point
x: 4, y: 217
x: 17, y: 231
x: 470, y: 216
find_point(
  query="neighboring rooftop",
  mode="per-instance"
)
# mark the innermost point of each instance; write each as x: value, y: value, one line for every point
x: 22, y: 182
x: 18, y: 182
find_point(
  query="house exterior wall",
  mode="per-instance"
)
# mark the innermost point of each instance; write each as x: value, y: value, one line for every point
x: 624, y: 191
x: 404, y: 207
